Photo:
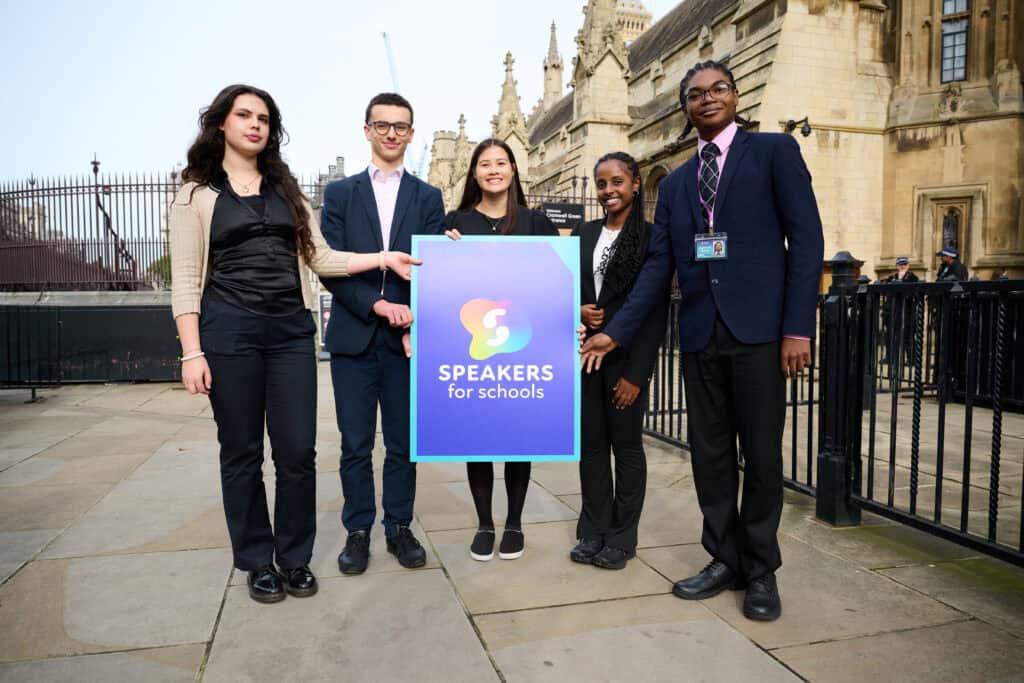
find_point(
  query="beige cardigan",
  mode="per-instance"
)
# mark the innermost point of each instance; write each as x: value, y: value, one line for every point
x: 191, y: 216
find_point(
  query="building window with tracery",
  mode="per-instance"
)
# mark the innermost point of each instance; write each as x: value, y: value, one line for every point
x: 955, y: 22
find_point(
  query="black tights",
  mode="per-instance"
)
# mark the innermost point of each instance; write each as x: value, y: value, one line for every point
x: 481, y: 485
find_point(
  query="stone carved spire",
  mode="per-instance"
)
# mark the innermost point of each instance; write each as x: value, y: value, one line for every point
x: 553, y: 68
x: 509, y: 117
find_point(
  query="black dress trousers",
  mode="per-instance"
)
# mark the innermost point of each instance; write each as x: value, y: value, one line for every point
x: 612, y: 516
x: 264, y: 372
x: 737, y: 390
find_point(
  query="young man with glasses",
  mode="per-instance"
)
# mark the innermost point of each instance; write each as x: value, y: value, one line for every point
x: 746, y: 318
x: 379, y: 210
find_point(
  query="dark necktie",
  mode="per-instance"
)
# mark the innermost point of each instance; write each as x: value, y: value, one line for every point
x: 708, y: 179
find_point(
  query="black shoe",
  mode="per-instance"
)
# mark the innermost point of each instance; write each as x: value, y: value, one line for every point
x: 407, y: 549
x: 712, y: 580
x: 585, y: 550
x: 483, y: 545
x: 356, y: 555
x: 300, y: 582
x: 762, y: 601
x: 612, y: 558
x: 512, y: 544
x: 265, y: 585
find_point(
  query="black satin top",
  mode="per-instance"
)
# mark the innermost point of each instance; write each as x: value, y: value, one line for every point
x: 253, y: 263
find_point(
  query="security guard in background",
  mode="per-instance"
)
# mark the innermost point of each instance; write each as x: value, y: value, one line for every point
x: 903, y: 273
x: 951, y: 268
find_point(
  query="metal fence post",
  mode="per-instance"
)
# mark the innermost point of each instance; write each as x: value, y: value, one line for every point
x: 842, y: 396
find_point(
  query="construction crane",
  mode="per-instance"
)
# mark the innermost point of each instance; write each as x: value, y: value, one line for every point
x: 394, y: 83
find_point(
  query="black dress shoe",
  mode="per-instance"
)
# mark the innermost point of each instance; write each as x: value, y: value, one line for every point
x: 356, y: 555
x: 762, y: 601
x: 712, y: 580
x: 585, y: 550
x: 612, y: 558
x: 482, y: 548
x: 265, y: 585
x: 407, y: 549
x: 300, y: 582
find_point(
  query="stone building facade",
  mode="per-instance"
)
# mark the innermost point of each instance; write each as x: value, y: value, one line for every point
x: 915, y: 110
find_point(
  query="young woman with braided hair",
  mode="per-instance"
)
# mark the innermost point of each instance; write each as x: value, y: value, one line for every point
x: 612, y: 251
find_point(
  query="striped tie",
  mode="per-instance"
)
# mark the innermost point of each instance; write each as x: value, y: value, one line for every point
x: 708, y: 179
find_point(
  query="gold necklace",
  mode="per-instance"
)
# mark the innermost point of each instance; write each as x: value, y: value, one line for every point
x: 245, y: 187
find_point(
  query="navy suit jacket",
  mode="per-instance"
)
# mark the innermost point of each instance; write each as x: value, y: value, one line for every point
x: 768, y: 286
x: 349, y: 222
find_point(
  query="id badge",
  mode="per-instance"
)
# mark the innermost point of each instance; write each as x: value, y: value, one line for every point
x: 711, y: 246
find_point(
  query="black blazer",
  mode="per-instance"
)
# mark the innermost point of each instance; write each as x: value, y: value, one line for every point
x: 349, y: 222
x: 639, y: 359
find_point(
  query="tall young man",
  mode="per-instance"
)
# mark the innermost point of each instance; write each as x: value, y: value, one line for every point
x: 379, y: 209
x: 746, y: 318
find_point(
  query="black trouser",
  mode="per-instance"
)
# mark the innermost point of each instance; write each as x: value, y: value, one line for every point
x: 608, y: 515
x: 264, y: 367
x: 735, y: 389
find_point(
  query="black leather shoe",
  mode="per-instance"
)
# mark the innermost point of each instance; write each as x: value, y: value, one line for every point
x: 712, y: 580
x: 407, y: 549
x: 300, y: 582
x: 265, y: 585
x: 612, y: 558
x: 356, y: 555
x: 762, y: 601
x: 585, y: 550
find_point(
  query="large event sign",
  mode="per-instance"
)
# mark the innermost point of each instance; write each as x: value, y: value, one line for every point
x: 495, y: 367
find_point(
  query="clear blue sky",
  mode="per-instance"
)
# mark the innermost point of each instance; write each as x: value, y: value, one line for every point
x: 126, y: 79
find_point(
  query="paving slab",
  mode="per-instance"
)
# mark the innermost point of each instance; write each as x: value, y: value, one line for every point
x: 25, y: 508
x: 823, y: 597
x: 176, y: 401
x: 544, y: 576
x: 384, y: 627
x: 95, y: 469
x: 706, y: 650
x: 330, y: 539
x: 150, y: 600
x: 10, y: 457
x: 875, y: 546
x: 957, y: 653
x: 986, y: 588
x: 138, y: 517
x: 164, y: 665
x: 558, y: 478
x: 18, y: 547
x: 508, y: 629
x: 126, y: 396
x: 450, y: 506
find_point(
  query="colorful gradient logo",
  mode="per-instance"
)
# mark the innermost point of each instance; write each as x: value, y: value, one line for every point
x: 496, y: 326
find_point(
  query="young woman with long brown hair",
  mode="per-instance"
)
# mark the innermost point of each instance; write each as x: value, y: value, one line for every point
x: 243, y: 240
x: 493, y: 204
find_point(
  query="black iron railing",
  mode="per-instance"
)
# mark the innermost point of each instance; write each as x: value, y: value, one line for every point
x: 905, y: 412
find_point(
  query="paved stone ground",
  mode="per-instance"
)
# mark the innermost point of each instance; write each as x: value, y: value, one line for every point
x: 114, y: 565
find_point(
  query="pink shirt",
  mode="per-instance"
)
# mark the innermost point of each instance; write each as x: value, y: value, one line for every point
x: 385, y: 192
x: 723, y: 141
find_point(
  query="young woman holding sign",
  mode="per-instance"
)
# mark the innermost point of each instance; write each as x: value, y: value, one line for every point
x: 493, y: 204
x: 243, y: 241
x: 611, y: 253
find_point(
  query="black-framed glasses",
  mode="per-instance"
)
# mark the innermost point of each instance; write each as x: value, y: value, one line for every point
x: 401, y: 127
x: 716, y: 92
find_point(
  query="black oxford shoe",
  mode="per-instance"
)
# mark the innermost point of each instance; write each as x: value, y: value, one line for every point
x: 712, y: 580
x: 407, y: 549
x: 265, y: 585
x: 356, y: 554
x: 612, y: 558
x: 762, y: 601
x: 300, y: 582
x: 585, y: 550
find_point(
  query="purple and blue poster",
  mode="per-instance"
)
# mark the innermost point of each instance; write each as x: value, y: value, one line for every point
x: 495, y: 366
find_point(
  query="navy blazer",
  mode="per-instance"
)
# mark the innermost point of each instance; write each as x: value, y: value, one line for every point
x: 350, y: 222
x: 768, y: 286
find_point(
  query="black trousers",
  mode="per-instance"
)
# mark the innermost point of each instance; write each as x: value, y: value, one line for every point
x: 611, y: 513
x: 737, y: 390
x: 264, y: 370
